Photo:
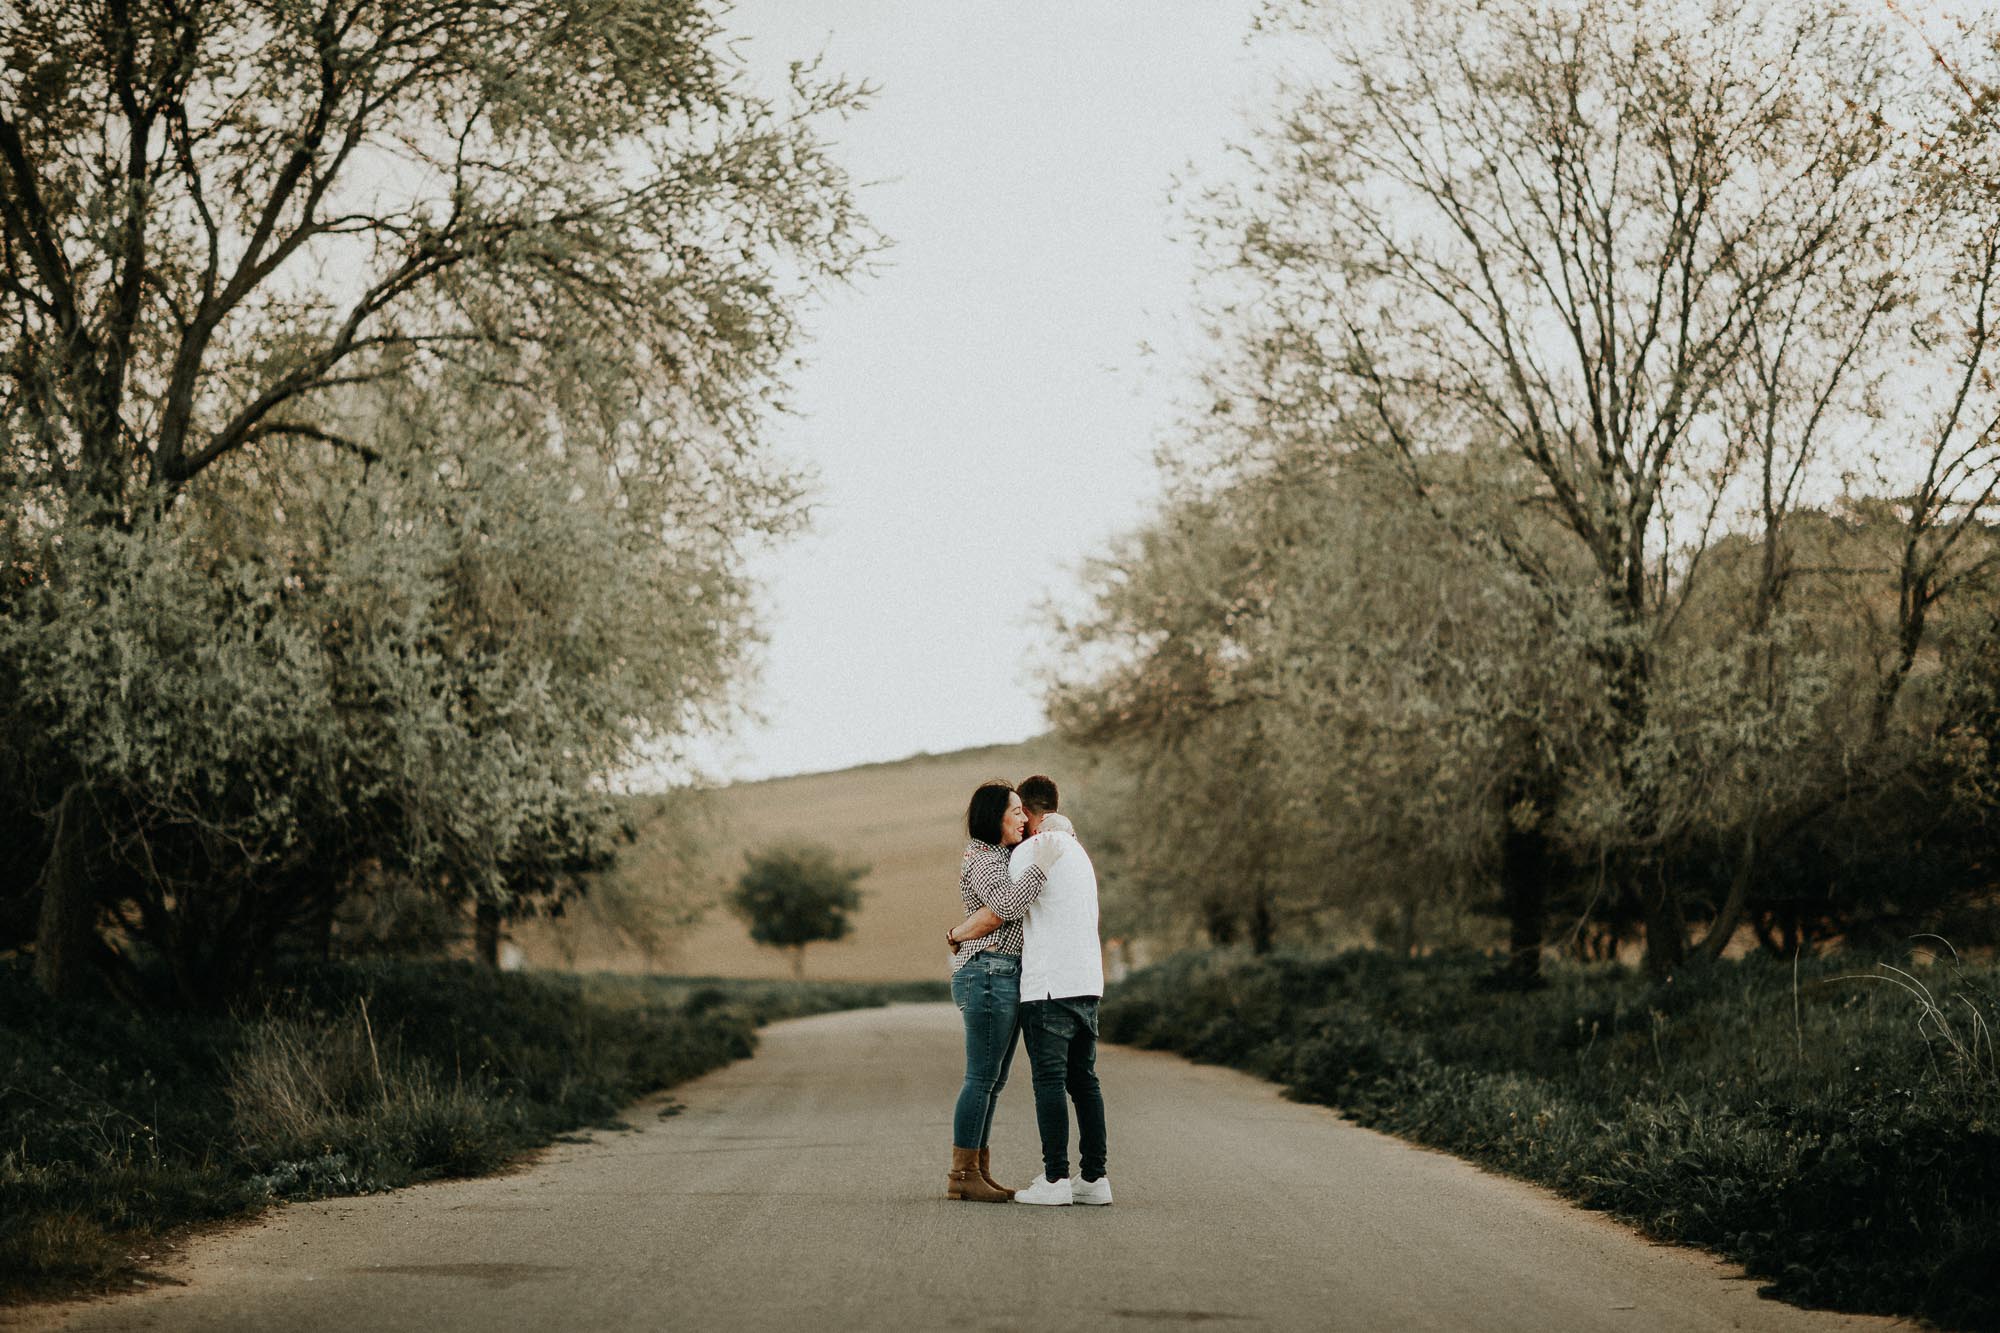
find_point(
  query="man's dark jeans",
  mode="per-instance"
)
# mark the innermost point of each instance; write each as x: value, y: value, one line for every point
x: 985, y: 989
x: 1061, y: 1037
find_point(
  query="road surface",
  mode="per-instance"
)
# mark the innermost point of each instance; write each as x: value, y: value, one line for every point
x: 802, y: 1190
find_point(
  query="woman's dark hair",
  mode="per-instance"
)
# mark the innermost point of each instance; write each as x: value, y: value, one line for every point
x: 988, y: 808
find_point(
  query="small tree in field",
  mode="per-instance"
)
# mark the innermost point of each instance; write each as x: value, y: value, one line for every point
x: 794, y: 894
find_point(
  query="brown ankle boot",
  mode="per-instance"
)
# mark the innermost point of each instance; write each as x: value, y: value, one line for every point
x: 965, y: 1182
x: 986, y: 1172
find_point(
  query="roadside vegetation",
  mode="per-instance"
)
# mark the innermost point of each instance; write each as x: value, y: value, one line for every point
x: 1835, y: 1128
x: 118, y: 1127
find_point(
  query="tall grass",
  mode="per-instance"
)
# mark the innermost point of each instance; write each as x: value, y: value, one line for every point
x: 1831, y: 1127
x: 1953, y: 1014
x: 116, y: 1126
x: 317, y: 1102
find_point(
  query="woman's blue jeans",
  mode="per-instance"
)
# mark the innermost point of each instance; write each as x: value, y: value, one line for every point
x: 987, y: 991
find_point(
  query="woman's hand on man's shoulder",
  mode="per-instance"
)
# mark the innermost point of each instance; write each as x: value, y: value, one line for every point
x: 1048, y: 851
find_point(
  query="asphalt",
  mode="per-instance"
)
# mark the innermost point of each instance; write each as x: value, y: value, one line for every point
x: 803, y: 1190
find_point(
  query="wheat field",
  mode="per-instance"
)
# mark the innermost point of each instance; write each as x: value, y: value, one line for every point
x: 905, y: 820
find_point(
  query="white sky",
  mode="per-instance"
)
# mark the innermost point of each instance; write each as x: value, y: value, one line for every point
x: 979, y: 414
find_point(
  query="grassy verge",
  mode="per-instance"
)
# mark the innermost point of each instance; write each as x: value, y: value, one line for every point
x: 1837, y: 1136
x: 117, y: 1127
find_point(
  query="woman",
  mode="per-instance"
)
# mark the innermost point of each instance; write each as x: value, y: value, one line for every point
x: 986, y: 979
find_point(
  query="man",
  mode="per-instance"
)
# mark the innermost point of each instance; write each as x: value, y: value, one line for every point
x: 1062, y: 979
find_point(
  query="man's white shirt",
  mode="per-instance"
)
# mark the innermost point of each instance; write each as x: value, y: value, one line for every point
x: 1060, y: 955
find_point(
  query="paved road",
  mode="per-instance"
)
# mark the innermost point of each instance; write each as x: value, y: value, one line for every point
x: 802, y: 1190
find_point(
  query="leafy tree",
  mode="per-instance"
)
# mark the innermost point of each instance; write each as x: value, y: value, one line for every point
x: 381, y: 389
x: 794, y: 894
x: 662, y: 879
x: 1572, y: 233
x: 1344, y: 708
x: 1566, y: 512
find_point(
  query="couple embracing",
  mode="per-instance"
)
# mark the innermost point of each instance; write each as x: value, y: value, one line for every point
x: 1026, y: 963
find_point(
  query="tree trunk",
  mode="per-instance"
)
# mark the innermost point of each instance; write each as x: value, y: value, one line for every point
x: 66, y: 932
x: 798, y: 962
x: 1525, y: 865
x: 1527, y: 860
x: 1798, y: 932
x: 1666, y: 925
x: 486, y: 933
x: 1263, y: 929
x: 1731, y: 913
x: 1666, y: 929
x: 319, y: 927
x: 1219, y: 922
x: 1912, y: 609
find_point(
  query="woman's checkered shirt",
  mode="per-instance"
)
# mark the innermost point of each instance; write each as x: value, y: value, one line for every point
x: 983, y: 882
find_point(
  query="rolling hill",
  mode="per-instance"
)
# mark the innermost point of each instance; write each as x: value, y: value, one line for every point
x: 904, y: 819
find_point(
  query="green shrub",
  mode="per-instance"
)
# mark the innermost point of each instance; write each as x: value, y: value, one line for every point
x: 116, y: 1125
x: 1836, y: 1132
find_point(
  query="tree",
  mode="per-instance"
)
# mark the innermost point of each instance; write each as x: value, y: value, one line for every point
x: 664, y: 878
x: 339, y: 339
x: 794, y: 894
x: 1602, y: 434
x: 1348, y: 712
x: 1616, y: 246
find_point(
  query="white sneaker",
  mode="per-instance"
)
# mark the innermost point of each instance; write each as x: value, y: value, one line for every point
x: 1044, y: 1190
x: 1090, y: 1191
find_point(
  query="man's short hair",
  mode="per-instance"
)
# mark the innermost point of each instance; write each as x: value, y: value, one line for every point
x: 1038, y: 794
